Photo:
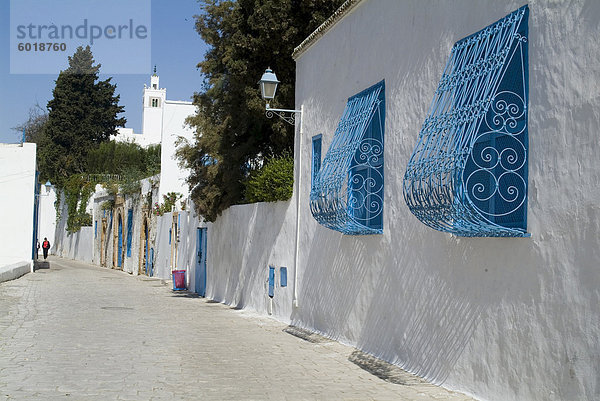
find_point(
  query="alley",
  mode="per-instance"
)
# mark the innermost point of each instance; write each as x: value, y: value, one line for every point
x: 80, y: 332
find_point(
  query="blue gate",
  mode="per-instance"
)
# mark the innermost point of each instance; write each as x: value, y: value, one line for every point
x: 146, y: 256
x: 201, y: 261
x: 120, y: 243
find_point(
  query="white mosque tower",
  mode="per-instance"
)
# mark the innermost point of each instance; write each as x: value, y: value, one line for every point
x: 163, y: 121
x: 152, y: 115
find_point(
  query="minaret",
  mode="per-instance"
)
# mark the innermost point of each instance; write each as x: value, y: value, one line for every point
x: 152, y: 117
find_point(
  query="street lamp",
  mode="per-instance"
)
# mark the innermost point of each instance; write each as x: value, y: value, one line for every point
x: 268, y: 87
x: 268, y: 84
x: 48, y: 185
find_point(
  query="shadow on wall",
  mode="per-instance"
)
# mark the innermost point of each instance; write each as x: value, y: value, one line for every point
x: 241, y: 260
x: 410, y: 304
x: 331, y: 282
x: 434, y: 300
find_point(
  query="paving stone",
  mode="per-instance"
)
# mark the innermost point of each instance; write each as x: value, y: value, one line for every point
x: 81, y: 332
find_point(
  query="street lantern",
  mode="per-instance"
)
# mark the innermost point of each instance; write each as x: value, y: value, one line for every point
x: 48, y: 185
x: 268, y: 84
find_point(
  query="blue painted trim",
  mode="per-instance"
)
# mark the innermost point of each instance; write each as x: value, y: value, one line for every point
x: 271, y: 281
x: 283, y: 276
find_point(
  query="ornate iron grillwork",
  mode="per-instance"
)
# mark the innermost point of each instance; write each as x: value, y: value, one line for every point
x: 468, y: 172
x: 347, y: 192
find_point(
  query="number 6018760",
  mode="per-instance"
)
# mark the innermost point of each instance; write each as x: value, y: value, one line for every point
x: 42, y: 47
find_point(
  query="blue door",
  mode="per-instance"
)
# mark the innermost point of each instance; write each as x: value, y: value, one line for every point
x: 146, y: 248
x: 201, y: 261
x: 120, y: 243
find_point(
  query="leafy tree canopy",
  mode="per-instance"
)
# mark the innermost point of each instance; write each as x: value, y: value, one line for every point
x: 121, y: 157
x: 82, y: 114
x: 233, y: 136
x: 272, y: 182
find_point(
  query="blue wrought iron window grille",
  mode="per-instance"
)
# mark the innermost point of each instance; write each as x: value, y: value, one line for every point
x: 347, y: 190
x: 468, y: 172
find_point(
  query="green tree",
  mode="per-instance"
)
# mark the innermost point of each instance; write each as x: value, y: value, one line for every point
x: 233, y: 136
x: 82, y: 114
x: 120, y: 157
x: 272, y: 182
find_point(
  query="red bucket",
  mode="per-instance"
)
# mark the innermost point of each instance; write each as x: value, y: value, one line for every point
x: 178, y: 280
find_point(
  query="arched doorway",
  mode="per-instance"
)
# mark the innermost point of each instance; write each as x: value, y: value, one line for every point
x: 144, y: 247
x: 118, y: 242
x: 102, y: 243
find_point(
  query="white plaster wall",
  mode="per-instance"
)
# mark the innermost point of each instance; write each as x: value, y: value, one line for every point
x: 127, y: 135
x: 17, y: 188
x: 503, y: 319
x: 78, y: 245
x: 242, y: 243
x: 172, y: 177
x: 162, y: 248
x: 46, y: 216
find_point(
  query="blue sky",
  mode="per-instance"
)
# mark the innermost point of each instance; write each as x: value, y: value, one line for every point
x: 176, y: 49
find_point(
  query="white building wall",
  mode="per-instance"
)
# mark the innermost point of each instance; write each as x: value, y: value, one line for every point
x: 46, y: 216
x: 503, y: 319
x: 17, y: 189
x: 172, y: 176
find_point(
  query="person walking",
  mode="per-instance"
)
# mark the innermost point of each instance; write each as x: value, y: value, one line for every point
x: 45, y: 247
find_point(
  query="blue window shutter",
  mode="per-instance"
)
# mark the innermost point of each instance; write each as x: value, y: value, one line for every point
x: 271, y: 281
x: 96, y: 229
x: 283, y: 276
x: 316, y: 159
x: 347, y: 191
x: 468, y: 172
x: 129, y: 231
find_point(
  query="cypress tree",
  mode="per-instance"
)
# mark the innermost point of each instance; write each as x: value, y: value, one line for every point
x: 82, y: 114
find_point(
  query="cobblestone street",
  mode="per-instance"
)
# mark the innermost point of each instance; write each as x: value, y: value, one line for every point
x: 72, y: 331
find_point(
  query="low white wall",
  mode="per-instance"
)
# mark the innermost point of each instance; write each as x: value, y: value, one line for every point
x: 77, y: 246
x: 14, y: 271
x: 162, y: 247
x: 242, y: 243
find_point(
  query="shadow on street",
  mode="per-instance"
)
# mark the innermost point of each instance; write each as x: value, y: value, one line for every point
x: 41, y: 265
